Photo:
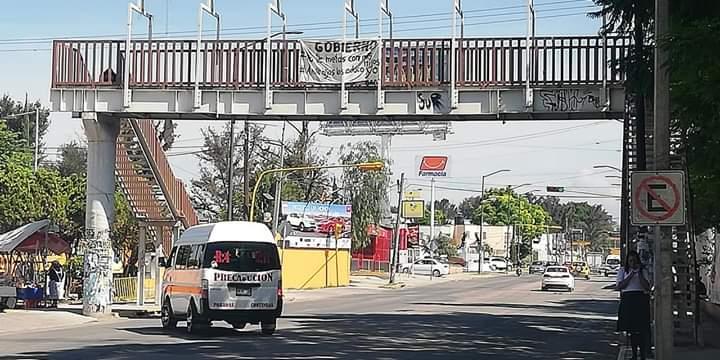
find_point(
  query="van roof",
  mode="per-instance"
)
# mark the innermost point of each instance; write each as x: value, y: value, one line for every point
x: 226, y: 231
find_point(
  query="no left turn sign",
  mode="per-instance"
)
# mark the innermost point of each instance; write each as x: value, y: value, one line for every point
x: 658, y: 197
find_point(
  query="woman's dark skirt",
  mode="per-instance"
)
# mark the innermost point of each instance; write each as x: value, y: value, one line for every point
x: 634, y: 312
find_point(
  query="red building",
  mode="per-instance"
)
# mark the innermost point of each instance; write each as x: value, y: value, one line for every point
x: 376, y: 256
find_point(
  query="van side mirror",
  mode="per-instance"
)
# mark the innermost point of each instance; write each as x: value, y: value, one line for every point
x: 163, y: 263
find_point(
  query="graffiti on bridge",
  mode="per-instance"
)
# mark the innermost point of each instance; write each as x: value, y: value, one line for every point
x: 430, y: 102
x: 569, y: 100
x: 97, y: 268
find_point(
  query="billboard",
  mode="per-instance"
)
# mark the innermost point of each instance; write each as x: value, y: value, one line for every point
x: 433, y: 166
x: 309, y: 224
x: 413, y: 209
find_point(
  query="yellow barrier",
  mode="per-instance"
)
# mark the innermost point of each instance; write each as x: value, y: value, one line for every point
x: 125, y: 289
x: 315, y: 268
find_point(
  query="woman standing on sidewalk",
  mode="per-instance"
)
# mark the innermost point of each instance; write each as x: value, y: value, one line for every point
x: 56, y: 284
x: 634, y: 311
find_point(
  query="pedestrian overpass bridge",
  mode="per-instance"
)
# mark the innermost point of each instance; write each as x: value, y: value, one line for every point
x: 436, y: 79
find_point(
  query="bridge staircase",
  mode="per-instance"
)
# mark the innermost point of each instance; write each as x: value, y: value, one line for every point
x: 157, y: 198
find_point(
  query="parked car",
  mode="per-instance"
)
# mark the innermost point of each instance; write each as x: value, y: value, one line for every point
x: 557, y: 277
x: 430, y: 267
x: 537, y: 267
x: 301, y: 222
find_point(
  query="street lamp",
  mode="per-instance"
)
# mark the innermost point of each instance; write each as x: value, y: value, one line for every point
x: 481, y: 258
x: 607, y: 167
x: 364, y: 166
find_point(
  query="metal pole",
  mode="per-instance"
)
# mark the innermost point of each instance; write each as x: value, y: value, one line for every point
x: 663, y: 239
x: 37, y: 138
x: 278, y: 183
x: 230, y: 172
x: 246, y: 170
x: 481, y: 256
x: 528, y: 57
x: 432, y: 210
x: 141, y: 266
x: 396, y: 234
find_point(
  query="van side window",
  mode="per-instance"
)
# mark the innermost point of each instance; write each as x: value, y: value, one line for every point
x: 196, y: 255
x: 183, y: 255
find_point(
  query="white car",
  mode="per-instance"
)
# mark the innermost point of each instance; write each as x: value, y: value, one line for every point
x: 430, y: 267
x: 557, y: 277
x: 498, y: 264
x: 302, y: 222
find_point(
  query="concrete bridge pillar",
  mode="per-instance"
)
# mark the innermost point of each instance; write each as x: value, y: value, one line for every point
x: 101, y: 131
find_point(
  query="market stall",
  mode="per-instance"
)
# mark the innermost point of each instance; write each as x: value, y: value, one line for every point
x: 24, y: 260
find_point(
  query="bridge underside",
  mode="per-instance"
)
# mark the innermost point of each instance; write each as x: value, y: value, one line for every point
x: 561, y: 103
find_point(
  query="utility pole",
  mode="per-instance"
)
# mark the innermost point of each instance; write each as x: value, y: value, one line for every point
x: 278, y: 183
x: 230, y: 172
x: 246, y: 171
x: 396, y: 233
x: 37, y: 138
x: 663, y: 235
x: 432, y: 212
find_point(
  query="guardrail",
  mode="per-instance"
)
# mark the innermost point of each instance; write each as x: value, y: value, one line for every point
x: 240, y: 64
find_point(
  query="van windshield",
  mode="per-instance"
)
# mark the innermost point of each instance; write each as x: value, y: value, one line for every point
x: 242, y: 256
x: 613, y: 261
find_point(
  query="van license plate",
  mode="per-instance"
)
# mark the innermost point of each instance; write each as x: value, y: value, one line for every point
x: 243, y: 291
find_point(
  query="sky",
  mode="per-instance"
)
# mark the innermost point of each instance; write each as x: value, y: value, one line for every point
x: 547, y: 153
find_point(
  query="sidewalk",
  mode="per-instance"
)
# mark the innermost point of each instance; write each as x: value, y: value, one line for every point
x: 20, y: 321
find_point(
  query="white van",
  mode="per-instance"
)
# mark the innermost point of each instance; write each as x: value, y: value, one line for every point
x: 226, y: 271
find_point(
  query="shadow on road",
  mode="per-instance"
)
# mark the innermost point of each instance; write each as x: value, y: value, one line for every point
x: 456, y: 335
x: 571, y: 306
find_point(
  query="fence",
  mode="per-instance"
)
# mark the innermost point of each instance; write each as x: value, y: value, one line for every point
x: 369, y: 265
x: 125, y: 290
x: 240, y: 64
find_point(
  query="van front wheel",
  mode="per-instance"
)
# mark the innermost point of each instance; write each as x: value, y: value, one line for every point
x: 167, y: 317
x: 268, y: 327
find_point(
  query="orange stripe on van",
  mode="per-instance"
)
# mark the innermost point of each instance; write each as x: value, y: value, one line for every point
x: 180, y: 289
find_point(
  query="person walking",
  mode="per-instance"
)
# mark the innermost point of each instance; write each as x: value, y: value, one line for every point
x: 56, y: 286
x: 634, y: 311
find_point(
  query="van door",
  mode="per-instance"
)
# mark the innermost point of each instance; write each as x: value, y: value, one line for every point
x: 179, y: 289
x: 242, y: 275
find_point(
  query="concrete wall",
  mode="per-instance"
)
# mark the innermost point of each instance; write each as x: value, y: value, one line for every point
x: 315, y: 268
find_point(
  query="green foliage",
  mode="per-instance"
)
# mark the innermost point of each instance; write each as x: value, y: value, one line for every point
x: 73, y: 159
x: 24, y: 126
x: 367, y: 190
x: 124, y: 232
x: 27, y: 196
x: 506, y: 208
x: 445, y: 246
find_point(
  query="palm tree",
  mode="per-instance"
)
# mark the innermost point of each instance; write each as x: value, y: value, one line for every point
x: 596, y: 225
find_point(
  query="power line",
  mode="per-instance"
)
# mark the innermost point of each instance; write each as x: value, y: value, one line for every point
x: 338, y: 22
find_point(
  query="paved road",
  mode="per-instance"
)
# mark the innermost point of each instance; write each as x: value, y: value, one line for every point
x: 502, y: 318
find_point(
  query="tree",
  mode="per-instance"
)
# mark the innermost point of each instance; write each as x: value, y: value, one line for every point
x: 503, y: 207
x: 445, y: 246
x: 596, y: 224
x: 468, y: 205
x: 445, y: 212
x: 209, y: 192
x: 73, y: 159
x: 24, y: 126
x: 124, y: 233
x: 27, y: 195
x: 367, y: 191
x: 165, y: 130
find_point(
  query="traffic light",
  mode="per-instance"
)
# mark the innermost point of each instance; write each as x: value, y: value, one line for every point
x: 555, y: 189
x: 371, y: 166
x: 338, y: 231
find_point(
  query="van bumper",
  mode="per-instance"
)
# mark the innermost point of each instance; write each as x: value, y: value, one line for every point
x: 251, y: 316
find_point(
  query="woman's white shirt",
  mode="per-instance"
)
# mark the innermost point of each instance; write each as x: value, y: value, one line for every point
x: 634, y: 284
